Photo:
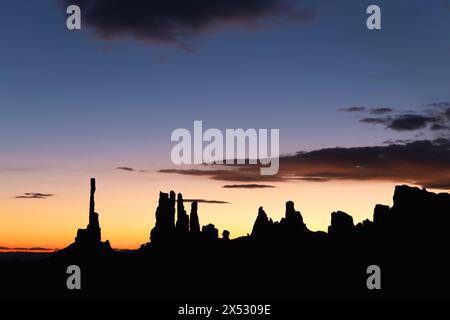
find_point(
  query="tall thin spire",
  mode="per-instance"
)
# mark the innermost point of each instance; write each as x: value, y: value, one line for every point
x: 92, y: 201
x: 92, y: 234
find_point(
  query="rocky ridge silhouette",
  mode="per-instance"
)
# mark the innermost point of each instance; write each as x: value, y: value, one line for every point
x: 283, y: 259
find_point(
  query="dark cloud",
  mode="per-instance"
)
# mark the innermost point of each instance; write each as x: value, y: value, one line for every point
x: 421, y: 162
x: 376, y: 111
x: 405, y: 122
x: 312, y: 179
x: 447, y: 113
x: 382, y: 110
x: 195, y: 172
x: 125, y: 169
x: 206, y: 201
x: 410, y: 122
x: 353, y: 109
x: 397, y: 141
x: 438, y: 127
x: 129, y: 169
x: 435, y: 118
x: 174, y: 22
x: 375, y: 120
x: 34, y: 195
x: 441, y: 105
x: 247, y: 186
x: 441, y: 141
x: 425, y: 163
x: 244, y: 174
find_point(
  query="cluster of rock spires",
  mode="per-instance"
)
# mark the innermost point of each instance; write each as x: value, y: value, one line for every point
x: 166, y: 230
x: 291, y: 225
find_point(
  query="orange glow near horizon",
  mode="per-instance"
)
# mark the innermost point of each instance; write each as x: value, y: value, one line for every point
x: 127, y: 203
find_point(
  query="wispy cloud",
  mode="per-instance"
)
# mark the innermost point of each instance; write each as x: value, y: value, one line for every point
x: 382, y: 110
x: 205, y: 201
x: 247, y: 186
x: 34, y: 195
x: 126, y: 169
x: 384, y: 121
x: 130, y: 169
x: 353, y: 109
x: 375, y: 111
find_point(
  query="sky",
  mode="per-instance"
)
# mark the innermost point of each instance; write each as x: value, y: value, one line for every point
x: 80, y: 104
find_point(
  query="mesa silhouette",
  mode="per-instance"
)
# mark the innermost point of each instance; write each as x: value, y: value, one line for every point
x: 278, y: 260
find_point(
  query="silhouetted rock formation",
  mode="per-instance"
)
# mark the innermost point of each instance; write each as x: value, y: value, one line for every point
x: 88, y: 241
x: 341, y: 224
x: 194, y: 222
x: 262, y: 226
x: 210, y: 233
x: 92, y: 234
x: 182, y: 225
x: 420, y: 215
x: 380, y: 215
x: 226, y: 235
x: 166, y: 231
x: 292, y: 224
x: 165, y: 218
